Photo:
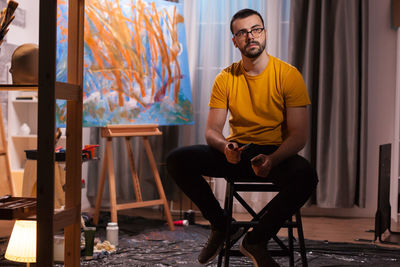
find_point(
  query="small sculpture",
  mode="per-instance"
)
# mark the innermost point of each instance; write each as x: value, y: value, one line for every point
x: 24, y: 64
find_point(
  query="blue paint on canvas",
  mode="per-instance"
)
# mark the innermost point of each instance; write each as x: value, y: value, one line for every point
x: 135, y: 63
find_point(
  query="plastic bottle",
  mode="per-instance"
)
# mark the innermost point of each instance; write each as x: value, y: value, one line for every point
x: 112, y: 233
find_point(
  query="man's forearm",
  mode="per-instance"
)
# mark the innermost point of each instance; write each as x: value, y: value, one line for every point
x: 216, y: 140
x: 289, y: 147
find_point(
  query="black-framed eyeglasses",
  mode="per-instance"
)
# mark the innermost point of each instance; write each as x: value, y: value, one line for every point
x: 256, y: 32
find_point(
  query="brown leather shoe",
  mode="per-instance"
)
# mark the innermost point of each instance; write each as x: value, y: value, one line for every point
x: 215, y: 243
x: 212, y: 247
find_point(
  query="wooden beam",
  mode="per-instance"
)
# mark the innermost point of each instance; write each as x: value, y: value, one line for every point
x: 140, y: 204
x: 46, y: 130
x: 74, y: 130
x: 16, y: 87
x: 67, y: 91
x: 65, y: 218
x: 130, y: 130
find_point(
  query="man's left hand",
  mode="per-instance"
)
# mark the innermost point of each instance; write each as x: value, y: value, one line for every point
x: 261, y: 165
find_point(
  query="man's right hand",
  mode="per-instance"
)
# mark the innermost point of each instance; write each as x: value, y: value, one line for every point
x: 232, y: 153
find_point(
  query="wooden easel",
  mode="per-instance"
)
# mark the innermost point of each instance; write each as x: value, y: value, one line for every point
x: 129, y: 131
x: 4, y: 153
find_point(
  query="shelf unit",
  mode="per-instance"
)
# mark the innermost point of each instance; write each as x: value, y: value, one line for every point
x: 20, y: 112
x: 48, y: 222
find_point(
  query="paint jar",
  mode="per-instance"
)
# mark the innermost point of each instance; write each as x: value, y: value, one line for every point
x: 190, y: 216
x: 59, y: 245
x: 112, y: 233
x: 89, y: 241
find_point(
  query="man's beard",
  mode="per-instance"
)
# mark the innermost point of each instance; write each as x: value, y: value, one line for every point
x: 254, y: 52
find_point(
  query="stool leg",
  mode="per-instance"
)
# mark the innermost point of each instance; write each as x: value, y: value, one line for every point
x: 226, y: 205
x: 220, y: 258
x: 229, y: 209
x: 290, y: 241
x: 301, y: 240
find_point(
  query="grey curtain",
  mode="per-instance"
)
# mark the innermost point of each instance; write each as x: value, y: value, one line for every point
x: 328, y: 44
x: 160, y: 145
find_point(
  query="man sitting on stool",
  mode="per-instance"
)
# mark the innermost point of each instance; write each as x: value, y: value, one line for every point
x: 267, y: 100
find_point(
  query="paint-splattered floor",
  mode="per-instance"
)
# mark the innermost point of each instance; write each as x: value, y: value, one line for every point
x: 146, y: 242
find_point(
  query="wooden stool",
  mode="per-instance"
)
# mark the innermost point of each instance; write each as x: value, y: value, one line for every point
x: 129, y: 131
x: 234, y: 186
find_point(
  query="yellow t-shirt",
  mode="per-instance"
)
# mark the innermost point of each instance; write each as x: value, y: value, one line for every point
x: 257, y: 103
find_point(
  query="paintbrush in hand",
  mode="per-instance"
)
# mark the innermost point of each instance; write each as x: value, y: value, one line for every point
x: 6, y: 17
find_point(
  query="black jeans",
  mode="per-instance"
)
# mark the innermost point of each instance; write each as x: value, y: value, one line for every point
x: 295, y: 176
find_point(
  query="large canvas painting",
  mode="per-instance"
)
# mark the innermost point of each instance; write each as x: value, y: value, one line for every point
x: 135, y: 63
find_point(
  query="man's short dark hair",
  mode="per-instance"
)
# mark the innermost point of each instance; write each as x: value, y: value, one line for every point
x: 244, y: 13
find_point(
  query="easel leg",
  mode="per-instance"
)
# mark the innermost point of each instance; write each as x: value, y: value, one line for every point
x: 100, y: 188
x: 158, y: 182
x: 135, y: 178
x: 111, y: 181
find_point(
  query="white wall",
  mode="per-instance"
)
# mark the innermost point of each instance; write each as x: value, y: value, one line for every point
x: 30, y: 34
x: 381, y: 103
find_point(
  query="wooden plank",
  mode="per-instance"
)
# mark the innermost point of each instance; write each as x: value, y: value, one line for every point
x: 65, y: 218
x: 140, y: 204
x: 46, y: 130
x: 74, y: 130
x: 134, y: 134
x: 16, y: 87
x: 130, y: 130
x: 67, y: 91
x: 132, y: 127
